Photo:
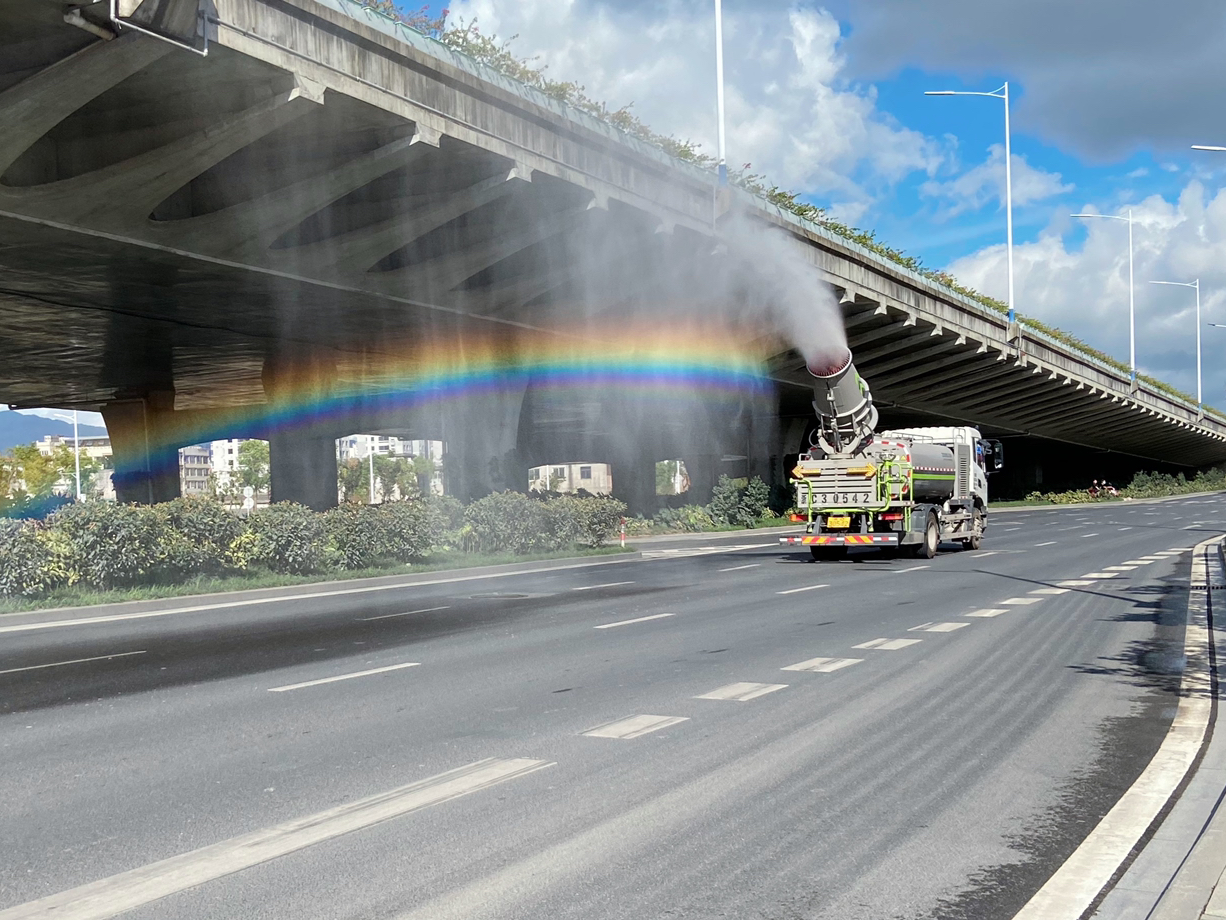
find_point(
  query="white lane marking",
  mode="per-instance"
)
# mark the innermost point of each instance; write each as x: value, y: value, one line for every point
x: 1074, y: 886
x: 702, y: 551
x: 611, y: 584
x: 990, y: 552
x: 1011, y: 529
x: 823, y: 665
x: 407, y: 613
x: 1048, y: 543
x: 128, y: 890
x: 1139, y: 561
x: 1125, y: 528
x: 197, y: 608
x: 888, y: 645
x: 741, y: 692
x: 633, y: 726
x: 1084, y: 535
x: 332, y: 680
x: 921, y: 626
x: 1049, y: 591
x: 805, y: 588
x: 1101, y: 575
x: 654, y: 616
x: 943, y: 627
x: 737, y: 568
x: 1121, y: 568
x: 1076, y: 583
x: 914, y: 568
x: 986, y: 612
x: 1020, y: 601
x: 59, y: 664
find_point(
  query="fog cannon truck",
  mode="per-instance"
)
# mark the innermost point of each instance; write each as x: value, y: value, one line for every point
x: 905, y: 490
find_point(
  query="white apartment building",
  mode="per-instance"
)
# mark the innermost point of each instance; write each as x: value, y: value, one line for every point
x: 361, y: 446
x: 596, y: 478
x: 195, y: 464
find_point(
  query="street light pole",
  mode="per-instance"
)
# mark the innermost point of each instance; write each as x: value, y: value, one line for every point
x: 76, y: 452
x: 719, y: 90
x: 370, y: 456
x: 1200, y: 406
x: 1002, y: 93
x: 1132, y: 313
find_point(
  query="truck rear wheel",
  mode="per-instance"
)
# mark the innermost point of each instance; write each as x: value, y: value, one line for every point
x: 827, y: 553
x: 927, y: 549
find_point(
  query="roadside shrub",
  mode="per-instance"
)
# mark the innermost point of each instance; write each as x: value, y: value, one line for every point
x: 561, y: 524
x: 357, y: 535
x: 597, y: 519
x: 27, y: 567
x: 408, y: 529
x: 689, y: 518
x: 107, y: 545
x: 506, y: 522
x: 738, y: 502
x: 446, y: 517
x: 199, y: 533
x: 285, y: 537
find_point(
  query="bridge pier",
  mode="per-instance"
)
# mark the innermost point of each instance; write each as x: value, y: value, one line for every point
x: 302, y: 467
x: 634, y: 482
x: 484, y: 453
x: 146, y: 470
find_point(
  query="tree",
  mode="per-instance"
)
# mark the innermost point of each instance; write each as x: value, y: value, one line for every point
x: 395, y: 474
x: 253, y: 465
x: 424, y: 470
x: 354, y: 480
x: 38, y: 472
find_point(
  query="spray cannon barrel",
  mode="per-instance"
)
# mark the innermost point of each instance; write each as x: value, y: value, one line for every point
x: 844, y: 405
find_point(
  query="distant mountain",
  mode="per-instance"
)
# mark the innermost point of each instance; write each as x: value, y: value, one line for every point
x: 17, y: 428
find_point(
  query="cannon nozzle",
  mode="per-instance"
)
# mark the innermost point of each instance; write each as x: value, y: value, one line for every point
x: 843, y: 403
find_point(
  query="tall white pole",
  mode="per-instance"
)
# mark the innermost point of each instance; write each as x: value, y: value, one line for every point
x: 1132, y: 316
x: 1009, y: 204
x: 76, y: 450
x: 719, y: 89
x: 1200, y: 406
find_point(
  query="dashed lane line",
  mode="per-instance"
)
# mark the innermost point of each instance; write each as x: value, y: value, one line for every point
x: 938, y: 627
x: 823, y: 665
x: 654, y: 616
x: 805, y: 588
x: 129, y: 890
x: 407, y: 613
x: 1048, y: 543
x: 1076, y: 583
x: 611, y: 584
x: 332, y: 680
x: 1140, y: 561
x: 1020, y: 601
x: 1085, y: 535
x: 737, y: 568
x: 888, y: 645
x: 1121, y: 568
x: 741, y: 692
x: 1049, y: 591
x: 986, y: 612
x: 60, y: 664
x: 1098, y: 575
x: 633, y: 727
x: 914, y: 568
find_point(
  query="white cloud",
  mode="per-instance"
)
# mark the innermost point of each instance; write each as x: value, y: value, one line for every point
x: 1084, y: 288
x: 985, y: 183
x: 791, y: 112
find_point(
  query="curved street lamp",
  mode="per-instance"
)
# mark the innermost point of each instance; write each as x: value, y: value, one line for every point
x: 1200, y: 407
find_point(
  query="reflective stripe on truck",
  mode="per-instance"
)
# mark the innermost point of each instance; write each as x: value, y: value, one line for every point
x: 843, y: 539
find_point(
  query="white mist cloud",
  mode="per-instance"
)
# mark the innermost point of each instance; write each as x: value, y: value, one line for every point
x: 1083, y: 288
x: 791, y: 111
x: 985, y: 183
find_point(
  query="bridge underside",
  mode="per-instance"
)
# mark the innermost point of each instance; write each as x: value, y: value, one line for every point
x: 212, y: 247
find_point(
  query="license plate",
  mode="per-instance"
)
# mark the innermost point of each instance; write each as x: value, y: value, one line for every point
x: 843, y: 522
x: 856, y: 498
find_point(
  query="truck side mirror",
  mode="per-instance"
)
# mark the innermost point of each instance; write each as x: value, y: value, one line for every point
x: 996, y: 459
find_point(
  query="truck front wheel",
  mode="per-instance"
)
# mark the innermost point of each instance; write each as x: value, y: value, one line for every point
x: 976, y: 539
x: 932, y: 538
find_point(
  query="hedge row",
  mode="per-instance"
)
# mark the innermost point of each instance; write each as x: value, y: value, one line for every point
x: 1143, y: 485
x: 106, y: 545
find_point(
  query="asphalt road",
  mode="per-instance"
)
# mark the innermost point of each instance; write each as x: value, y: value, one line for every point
x: 960, y: 736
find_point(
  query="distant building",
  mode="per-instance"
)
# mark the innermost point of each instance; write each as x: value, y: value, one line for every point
x: 361, y: 446
x: 195, y: 465
x: 596, y: 478
x: 98, y: 447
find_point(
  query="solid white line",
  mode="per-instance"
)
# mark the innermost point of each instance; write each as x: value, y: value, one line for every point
x: 197, y: 608
x: 654, y: 616
x: 914, y: 568
x: 332, y: 680
x: 1048, y: 543
x: 1075, y: 885
x: 805, y: 588
x: 57, y: 664
x: 612, y: 584
x: 823, y: 665
x: 128, y: 890
x: 741, y: 692
x: 737, y: 568
x: 407, y: 613
x: 630, y: 727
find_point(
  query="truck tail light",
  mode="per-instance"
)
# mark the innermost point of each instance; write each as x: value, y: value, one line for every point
x: 892, y: 516
x: 798, y: 519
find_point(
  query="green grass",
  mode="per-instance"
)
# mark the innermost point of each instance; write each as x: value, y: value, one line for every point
x: 438, y: 562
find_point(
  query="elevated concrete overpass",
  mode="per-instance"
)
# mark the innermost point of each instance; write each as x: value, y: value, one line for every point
x: 205, y: 244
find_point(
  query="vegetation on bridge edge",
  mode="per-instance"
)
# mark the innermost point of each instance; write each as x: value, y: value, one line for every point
x: 466, y: 38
